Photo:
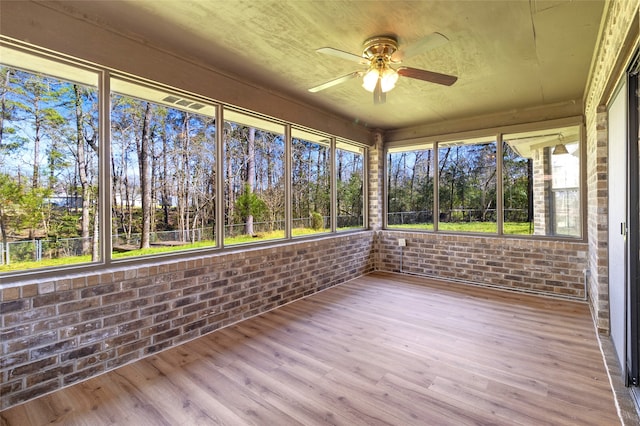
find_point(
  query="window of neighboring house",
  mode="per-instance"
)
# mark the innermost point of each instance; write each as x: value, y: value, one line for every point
x: 163, y: 160
x: 467, y: 185
x: 48, y: 163
x: 350, y: 186
x: 410, y: 173
x: 254, y: 184
x: 310, y: 183
x: 541, y: 175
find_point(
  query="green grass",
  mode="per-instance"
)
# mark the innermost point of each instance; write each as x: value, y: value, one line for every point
x: 228, y: 241
x: 45, y: 263
x: 163, y: 249
x: 261, y: 236
x: 510, y: 228
x: 299, y: 232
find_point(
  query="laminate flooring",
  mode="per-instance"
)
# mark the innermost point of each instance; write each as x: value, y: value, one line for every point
x: 383, y: 349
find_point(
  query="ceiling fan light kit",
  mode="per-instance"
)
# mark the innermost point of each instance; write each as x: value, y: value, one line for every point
x: 379, y: 53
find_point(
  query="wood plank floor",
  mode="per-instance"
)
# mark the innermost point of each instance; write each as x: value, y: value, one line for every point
x: 382, y: 349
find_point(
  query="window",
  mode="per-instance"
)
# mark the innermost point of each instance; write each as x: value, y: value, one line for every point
x: 541, y: 175
x: 175, y: 177
x: 163, y: 171
x: 467, y: 185
x: 310, y: 183
x: 350, y: 186
x: 541, y: 192
x: 254, y: 185
x: 410, y: 187
x: 49, y: 163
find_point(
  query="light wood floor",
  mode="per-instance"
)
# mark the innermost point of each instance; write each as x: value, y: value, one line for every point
x: 382, y: 349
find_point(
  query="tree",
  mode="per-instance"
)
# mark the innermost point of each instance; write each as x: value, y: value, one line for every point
x: 518, y: 186
x: 144, y: 163
x: 250, y: 180
x: 125, y: 128
x: 250, y: 204
x: 349, y: 173
x: 7, y: 108
x: 11, y: 194
x: 83, y: 139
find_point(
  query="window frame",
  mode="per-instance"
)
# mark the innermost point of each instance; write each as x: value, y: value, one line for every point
x: 318, y: 138
x: 474, y: 141
x: 78, y: 73
x: 105, y: 77
x: 497, y: 133
x: 260, y: 123
x: 360, y: 149
x: 127, y: 87
x: 427, y: 146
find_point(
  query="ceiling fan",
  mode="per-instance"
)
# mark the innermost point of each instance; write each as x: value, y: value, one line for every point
x: 379, y: 54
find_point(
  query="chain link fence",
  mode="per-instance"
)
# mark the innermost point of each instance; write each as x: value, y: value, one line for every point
x: 40, y: 248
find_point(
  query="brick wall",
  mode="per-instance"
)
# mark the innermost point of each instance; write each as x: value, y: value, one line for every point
x: 539, y: 266
x: 56, y: 333
x: 59, y: 332
x: 376, y: 181
x: 610, y: 53
x: 541, y: 192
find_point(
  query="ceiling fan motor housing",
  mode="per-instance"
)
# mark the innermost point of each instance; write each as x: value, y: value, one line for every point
x: 380, y: 47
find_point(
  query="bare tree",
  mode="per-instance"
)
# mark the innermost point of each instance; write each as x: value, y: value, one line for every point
x: 144, y: 162
x: 251, y: 177
x: 83, y: 167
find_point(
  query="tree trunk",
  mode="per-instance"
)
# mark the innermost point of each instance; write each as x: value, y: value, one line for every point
x: 95, y: 248
x: 81, y: 158
x: 165, y: 181
x: 251, y: 177
x: 529, y: 190
x: 3, y: 101
x: 3, y: 232
x: 229, y: 195
x: 145, y: 177
x: 3, y: 107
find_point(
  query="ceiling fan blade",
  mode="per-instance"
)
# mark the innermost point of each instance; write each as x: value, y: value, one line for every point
x: 342, y: 54
x: 430, y: 76
x: 429, y: 42
x: 335, y: 82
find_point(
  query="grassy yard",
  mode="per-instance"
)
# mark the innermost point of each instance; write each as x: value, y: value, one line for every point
x: 228, y: 241
x: 514, y: 228
x: 511, y: 228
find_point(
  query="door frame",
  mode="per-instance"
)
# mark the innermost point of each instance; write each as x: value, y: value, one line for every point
x: 633, y: 222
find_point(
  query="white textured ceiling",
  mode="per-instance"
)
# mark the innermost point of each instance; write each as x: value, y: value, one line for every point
x: 508, y: 55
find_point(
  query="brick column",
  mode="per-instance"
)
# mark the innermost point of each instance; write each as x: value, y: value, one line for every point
x: 376, y: 181
x: 541, y: 191
x: 620, y: 18
x: 598, y: 223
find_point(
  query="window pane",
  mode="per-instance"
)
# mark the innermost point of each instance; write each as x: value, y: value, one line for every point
x: 541, y: 173
x: 311, y: 192
x: 410, y: 189
x: 467, y: 186
x: 48, y: 164
x: 349, y: 180
x: 163, y: 177
x: 254, y: 180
